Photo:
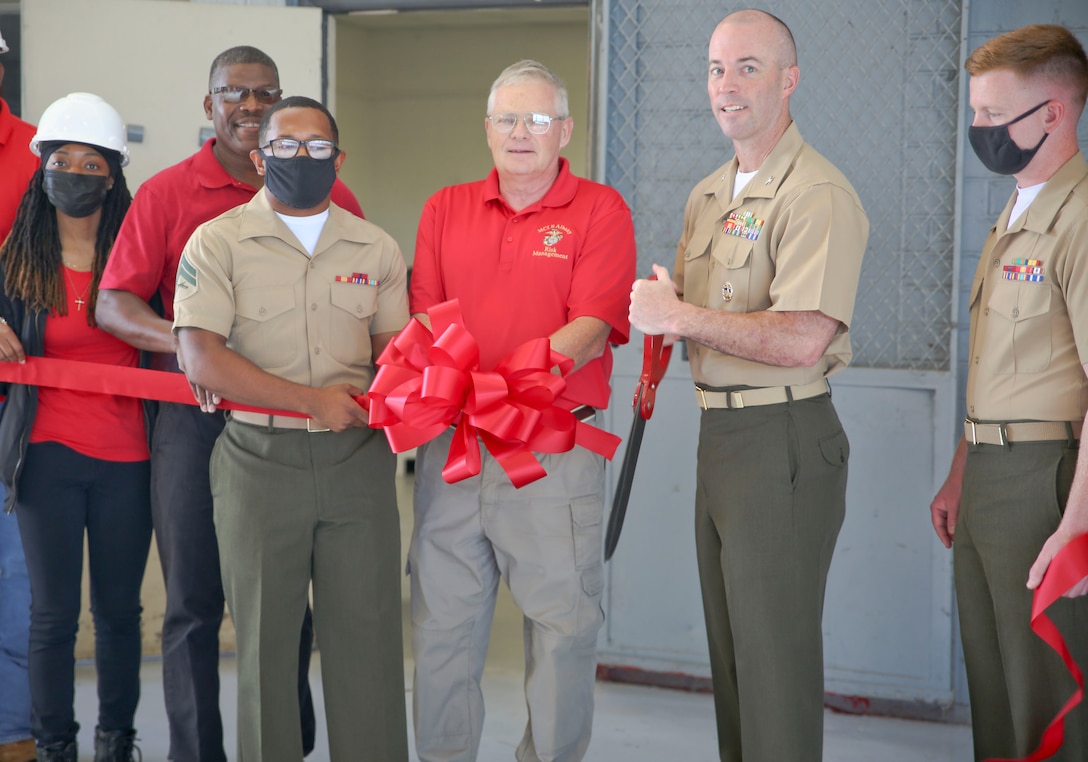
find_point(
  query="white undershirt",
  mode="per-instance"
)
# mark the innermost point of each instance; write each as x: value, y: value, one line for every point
x: 306, y: 229
x: 741, y: 181
x: 1024, y: 197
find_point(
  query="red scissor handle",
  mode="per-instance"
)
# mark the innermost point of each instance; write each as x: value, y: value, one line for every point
x: 655, y: 359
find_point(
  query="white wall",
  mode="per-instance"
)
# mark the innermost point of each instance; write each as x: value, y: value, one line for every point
x: 411, y: 96
x: 150, y: 60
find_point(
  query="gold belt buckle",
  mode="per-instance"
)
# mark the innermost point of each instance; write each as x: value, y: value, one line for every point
x: 309, y: 427
x: 974, y: 432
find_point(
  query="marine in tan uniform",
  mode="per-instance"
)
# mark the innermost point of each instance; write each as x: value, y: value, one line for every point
x: 284, y: 303
x: 767, y: 268
x: 1016, y: 469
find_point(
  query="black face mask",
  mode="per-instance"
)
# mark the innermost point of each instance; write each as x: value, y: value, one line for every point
x: 997, y: 151
x: 75, y: 194
x: 300, y: 182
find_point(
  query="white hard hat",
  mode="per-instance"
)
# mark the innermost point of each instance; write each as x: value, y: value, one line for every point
x: 82, y: 118
x: 3, y: 45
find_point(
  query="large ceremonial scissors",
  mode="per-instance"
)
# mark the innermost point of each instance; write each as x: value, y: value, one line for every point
x: 655, y: 359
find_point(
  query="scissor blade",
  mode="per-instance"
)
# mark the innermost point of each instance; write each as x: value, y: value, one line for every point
x: 623, y: 487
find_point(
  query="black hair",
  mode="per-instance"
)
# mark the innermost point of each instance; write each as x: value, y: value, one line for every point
x: 31, y: 254
x: 241, y: 54
x: 295, y: 101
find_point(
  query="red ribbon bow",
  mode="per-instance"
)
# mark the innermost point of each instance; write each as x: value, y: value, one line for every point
x: 429, y: 380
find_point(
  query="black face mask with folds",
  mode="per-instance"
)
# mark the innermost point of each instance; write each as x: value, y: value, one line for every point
x: 300, y: 182
x: 75, y: 194
x: 997, y: 151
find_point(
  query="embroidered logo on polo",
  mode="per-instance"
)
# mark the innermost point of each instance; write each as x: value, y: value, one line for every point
x: 360, y: 278
x: 743, y: 225
x: 552, y: 235
x: 186, y: 275
x: 1030, y: 270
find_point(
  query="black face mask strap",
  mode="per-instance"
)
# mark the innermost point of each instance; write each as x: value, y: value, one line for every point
x: 1025, y: 115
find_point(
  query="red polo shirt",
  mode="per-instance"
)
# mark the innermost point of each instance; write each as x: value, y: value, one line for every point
x: 166, y: 210
x: 524, y: 275
x: 17, y: 165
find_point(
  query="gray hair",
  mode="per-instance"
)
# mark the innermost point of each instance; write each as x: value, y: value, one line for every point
x: 532, y: 71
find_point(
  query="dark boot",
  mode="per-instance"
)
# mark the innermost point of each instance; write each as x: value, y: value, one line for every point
x: 115, y: 746
x: 64, y: 751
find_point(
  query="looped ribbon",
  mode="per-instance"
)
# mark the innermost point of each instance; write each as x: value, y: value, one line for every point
x: 429, y: 380
x: 1069, y: 566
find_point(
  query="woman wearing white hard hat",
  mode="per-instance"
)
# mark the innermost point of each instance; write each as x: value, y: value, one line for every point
x: 74, y: 463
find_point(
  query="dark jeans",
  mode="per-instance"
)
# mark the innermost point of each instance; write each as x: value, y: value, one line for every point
x: 63, y: 494
x: 181, y: 501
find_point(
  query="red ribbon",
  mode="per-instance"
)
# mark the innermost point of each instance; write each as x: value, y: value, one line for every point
x: 124, y: 381
x: 429, y: 380
x: 1068, y: 568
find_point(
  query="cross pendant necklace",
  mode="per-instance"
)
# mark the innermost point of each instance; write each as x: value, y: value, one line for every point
x: 79, y: 297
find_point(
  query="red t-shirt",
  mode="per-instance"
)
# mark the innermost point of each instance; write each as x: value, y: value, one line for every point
x: 97, y: 425
x: 524, y: 275
x: 165, y: 211
x: 17, y: 165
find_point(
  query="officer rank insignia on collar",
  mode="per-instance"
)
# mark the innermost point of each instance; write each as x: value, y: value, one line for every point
x: 1030, y: 270
x: 743, y: 225
x: 360, y: 278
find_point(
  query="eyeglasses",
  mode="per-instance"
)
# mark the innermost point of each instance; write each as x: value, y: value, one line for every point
x: 287, y: 148
x: 538, y: 124
x: 233, y: 94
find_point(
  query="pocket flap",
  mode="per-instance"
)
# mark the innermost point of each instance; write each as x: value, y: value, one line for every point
x: 263, y: 304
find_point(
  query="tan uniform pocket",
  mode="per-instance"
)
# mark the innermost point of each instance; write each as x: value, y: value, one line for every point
x: 353, y: 305
x: 263, y: 327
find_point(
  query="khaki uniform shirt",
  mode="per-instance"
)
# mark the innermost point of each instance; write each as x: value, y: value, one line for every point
x: 792, y: 241
x: 1029, y: 308
x: 245, y: 276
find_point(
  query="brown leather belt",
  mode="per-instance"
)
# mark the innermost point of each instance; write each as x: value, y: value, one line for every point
x: 584, y: 412
x: 277, y: 421
x: 1021, y: 431
x: 767, y: 395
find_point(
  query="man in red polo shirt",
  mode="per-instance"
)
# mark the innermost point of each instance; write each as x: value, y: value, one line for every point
x: 531, y: 251
x: 167, y: 208
x: 17, y: 165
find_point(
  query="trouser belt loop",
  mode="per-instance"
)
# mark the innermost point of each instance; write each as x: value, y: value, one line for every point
x: 1070, y: 437
x: 269, y: 424
x: 789, y: 396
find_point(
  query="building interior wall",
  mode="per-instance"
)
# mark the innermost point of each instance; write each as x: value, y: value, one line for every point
x: 410, y: 104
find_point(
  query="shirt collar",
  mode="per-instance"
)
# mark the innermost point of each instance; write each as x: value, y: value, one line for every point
x: 770, y: 175
x: 1039, y: 217
x: 259, y: 219
x: 210, y: 173
x: 560, y: 194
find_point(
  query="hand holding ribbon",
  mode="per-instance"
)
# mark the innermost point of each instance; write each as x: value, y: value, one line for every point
x: 429, y: 380
x: 1068, y: 568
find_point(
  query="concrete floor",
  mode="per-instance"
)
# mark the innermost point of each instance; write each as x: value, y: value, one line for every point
x: 631, y: 723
